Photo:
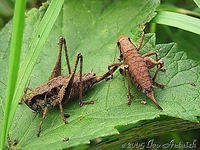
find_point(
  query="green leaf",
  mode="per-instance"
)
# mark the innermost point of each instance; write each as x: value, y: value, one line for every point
x: 14, y: 61
x: 178, y: 20
x: 92, y: 28
x: 197, y: 2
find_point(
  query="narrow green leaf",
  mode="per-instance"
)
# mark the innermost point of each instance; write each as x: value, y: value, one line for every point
x: 181, y: 21
x: 35, y: 47
x: 197, y: 2
x: 16, y: 42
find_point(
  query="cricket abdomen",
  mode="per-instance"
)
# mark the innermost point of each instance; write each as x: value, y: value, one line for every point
x: 89, y: 79
x: 138, y: 71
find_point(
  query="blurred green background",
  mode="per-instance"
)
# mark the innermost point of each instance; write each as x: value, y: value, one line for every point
x: 188, y: 42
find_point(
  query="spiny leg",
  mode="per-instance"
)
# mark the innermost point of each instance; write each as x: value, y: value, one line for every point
x: 42, y: 120
x: 44, y: 114
x: 57, y: 68
x: 66, y: 56
x: 120, y: 58
x: 151, y: 63
x: 64, y: 92
x: 64, y: 116
x: 117, y: 64
x: 124, y: 72
x: 155, y: 75
x: 81, y: 102
x: 141, y: 38
x: 106, y: 75
x: 151, y: 53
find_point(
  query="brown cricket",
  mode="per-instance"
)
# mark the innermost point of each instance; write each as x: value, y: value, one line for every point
x: 60, y: 88
x: 136, y: 67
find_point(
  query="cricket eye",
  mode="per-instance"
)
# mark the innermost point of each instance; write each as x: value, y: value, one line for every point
x: 129, y: 39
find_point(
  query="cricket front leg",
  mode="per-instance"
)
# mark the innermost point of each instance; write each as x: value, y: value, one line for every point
x: 112, y: 68
x: 106, y: 75
x: 44, y: 114
x: 42, y: 120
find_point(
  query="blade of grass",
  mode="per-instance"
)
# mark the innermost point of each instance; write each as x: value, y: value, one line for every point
x: 181, y: 21
x: 35, y: 49
x: 31, y: 56
x: 197, y: 2
x: 16, y: 43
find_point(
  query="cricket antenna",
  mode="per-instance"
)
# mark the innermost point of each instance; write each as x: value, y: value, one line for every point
x: 91, y: 70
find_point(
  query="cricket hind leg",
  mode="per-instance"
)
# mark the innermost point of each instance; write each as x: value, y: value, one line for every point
x: 66, y: 56
x: 57, y: 68
x: 81, y: 102
x: 64, y: 93
x: 150, y: 62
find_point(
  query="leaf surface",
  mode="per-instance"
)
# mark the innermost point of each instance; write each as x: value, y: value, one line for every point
x: 92, y: 28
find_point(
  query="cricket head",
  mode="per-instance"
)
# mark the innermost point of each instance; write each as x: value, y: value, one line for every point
x: 125, y: 45
x: 120, y: 43
x: 35, y: 103
x: 123, y: 38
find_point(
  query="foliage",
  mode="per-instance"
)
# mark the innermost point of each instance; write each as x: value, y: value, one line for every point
x: 92, y: 28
